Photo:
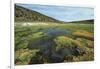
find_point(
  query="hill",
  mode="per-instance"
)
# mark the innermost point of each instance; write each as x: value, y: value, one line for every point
x: 26, y: 15
x: 84, y: 21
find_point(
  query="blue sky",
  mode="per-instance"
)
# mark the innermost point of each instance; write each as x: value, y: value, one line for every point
x: 63, y: 13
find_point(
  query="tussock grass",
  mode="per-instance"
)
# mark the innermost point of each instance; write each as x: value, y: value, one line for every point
x: 84, y: 34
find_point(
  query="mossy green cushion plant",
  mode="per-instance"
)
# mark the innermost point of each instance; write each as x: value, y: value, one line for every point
x: 23, y: 56
x: 64, y: 42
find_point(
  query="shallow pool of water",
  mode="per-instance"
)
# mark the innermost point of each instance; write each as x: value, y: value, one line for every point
x: 57, y: 32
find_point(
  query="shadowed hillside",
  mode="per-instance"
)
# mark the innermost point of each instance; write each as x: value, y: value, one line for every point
x: 25, y: 15
x: 85, y: 21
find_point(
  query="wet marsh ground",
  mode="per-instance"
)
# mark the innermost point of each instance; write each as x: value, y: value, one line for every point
x: 53, y: 43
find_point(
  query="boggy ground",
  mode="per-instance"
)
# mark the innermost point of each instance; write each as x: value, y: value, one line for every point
x: 53, y: 43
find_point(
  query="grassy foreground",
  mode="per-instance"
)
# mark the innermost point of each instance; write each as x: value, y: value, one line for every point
x: 53, y: 43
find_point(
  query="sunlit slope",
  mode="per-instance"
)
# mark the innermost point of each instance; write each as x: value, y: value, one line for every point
x: 25, y: 15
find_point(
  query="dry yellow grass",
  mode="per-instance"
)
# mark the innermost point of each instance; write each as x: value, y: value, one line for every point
x: 84, y: 34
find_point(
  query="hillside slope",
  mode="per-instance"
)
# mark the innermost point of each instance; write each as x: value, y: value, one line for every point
x: 25, y: 15
x: 84, y: 21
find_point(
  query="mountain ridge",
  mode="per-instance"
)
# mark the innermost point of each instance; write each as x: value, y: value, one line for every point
x: 91, y: 21
x: 26, y: 15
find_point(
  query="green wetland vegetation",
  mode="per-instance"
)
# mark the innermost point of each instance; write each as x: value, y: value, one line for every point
x: 40, y: 40
x: 53, y: 43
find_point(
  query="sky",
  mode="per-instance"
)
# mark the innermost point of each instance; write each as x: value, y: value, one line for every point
x: 86, y: 3
x: 63, y: 13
